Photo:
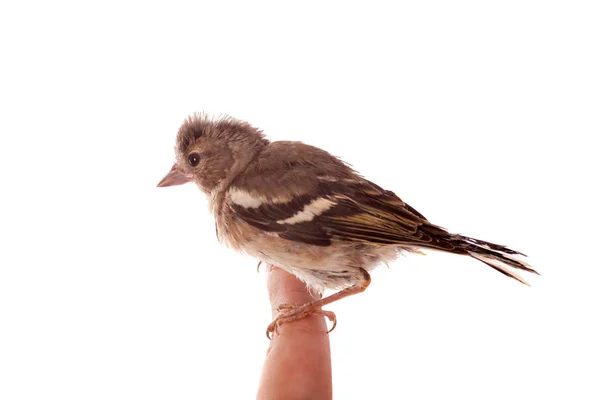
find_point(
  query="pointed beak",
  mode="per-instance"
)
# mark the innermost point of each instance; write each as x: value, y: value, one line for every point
x: 174, y: 177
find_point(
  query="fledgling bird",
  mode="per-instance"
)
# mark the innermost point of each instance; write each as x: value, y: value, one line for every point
x: 300, y: 208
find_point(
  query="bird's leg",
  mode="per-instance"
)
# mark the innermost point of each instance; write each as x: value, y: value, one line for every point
x: 289, y: 313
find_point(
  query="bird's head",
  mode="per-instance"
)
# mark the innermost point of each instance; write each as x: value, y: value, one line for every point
x: 208, y: 151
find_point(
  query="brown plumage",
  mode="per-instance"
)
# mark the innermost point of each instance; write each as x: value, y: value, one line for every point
x: 300, y: 208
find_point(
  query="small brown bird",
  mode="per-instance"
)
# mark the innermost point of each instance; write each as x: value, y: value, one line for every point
x: 300, y: 208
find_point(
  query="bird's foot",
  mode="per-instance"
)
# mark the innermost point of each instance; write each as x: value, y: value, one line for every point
x: 288, y: 313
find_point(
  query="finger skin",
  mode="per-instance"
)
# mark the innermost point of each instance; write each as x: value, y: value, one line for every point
x: 298, y: 362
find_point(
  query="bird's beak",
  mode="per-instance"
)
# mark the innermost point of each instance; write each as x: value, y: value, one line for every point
x: 174, y: 177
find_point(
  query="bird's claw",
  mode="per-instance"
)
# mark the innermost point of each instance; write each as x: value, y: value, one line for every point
x: 290, y: 313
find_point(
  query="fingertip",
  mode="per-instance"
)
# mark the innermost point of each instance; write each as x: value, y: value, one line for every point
x: 285, y: 288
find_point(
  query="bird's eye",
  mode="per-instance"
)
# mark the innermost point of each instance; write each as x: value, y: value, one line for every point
x: 194, y: 159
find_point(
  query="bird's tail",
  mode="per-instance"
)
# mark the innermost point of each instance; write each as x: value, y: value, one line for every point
x: 499, y: 257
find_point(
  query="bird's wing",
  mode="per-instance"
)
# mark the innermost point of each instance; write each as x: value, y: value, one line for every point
x: 319, y: 200
x: 330, y: 209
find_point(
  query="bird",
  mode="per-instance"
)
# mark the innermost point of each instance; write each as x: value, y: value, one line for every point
x: 296, y: 206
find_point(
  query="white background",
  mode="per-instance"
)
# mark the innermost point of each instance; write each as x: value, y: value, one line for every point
x: 482, y: 116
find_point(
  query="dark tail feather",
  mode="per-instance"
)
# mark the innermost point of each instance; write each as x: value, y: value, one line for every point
x: 499, y: 257
x: 494, y: 255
